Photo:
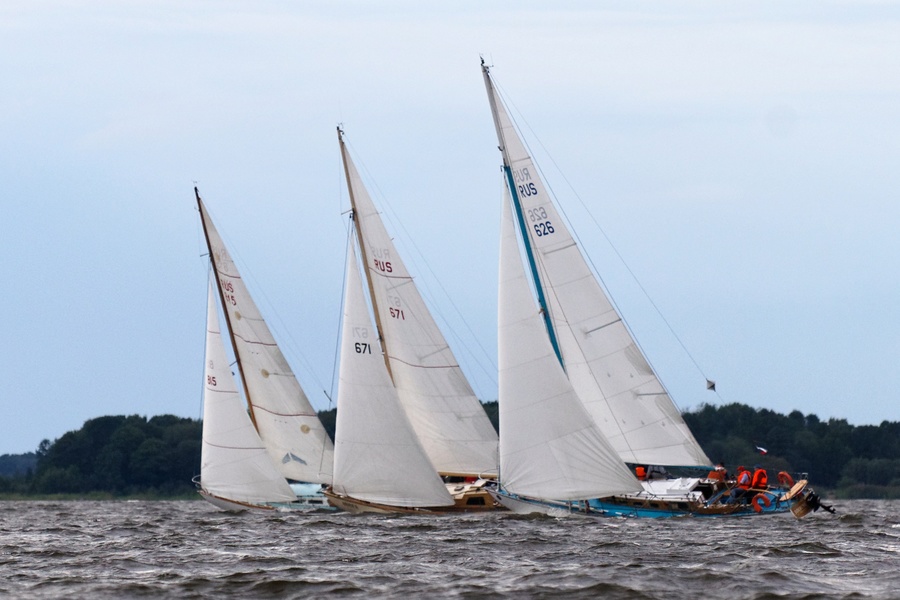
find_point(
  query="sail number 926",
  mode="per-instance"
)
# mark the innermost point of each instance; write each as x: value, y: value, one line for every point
x: 539, y: 222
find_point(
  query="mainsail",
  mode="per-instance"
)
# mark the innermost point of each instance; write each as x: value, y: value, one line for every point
x: 234, y: 463
x: 377, y: 455
x: 549, y: 446
x: 602, y: 360
x: 281, y: 412
x: 447, y: 417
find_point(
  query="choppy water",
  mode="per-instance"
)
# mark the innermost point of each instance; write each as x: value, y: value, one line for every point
x: 190, y: 550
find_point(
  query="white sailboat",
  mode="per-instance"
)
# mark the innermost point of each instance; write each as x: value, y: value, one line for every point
x: 438, y: 400
x: 603, y: 364
x: 553, y: 457
x: 236, y: 472
x: 296, y: 442
x: 379, y: 463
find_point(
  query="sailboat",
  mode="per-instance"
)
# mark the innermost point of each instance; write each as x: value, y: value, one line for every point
x: 437, y: 399
x: 553, y: 457
x: 379, y: 463
x: 282, y: 421
x: 602, y: 363
x: 236, y: 471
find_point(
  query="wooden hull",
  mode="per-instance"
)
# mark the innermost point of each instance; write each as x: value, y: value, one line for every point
x: 466, y: 501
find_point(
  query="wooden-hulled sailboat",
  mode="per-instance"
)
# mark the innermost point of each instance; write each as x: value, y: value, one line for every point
x: 609, y: 374
x: 297, y: 444
x: 379, y: 463
x: 438, y: 400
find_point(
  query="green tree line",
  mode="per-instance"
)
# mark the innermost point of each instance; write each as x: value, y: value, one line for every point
x: 118, y: 456
x: 158, y: 456
x: 860, y: 461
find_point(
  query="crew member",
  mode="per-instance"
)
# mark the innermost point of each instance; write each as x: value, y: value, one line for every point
x: 742, y: 485
x: 718, y: 474
x: 760, y: 479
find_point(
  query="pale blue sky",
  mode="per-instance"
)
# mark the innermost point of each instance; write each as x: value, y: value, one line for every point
x: 741, y: 156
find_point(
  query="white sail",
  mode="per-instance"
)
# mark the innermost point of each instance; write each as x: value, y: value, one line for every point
x: 447, y: 417
x: 284, y: 418
x: 377, y: 455
x: 234, y: 463
x: 606, y: 367
x: 549, y: 445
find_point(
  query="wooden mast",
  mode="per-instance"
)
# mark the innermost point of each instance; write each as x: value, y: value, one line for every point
x: 365, y: 257
x: 212, y: 258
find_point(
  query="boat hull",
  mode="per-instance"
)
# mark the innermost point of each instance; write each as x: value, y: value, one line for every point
x: 302, y: 504
x: 474, y: 500
x: 523, y: 505
x: 683, y: 498
x: 651, y: 506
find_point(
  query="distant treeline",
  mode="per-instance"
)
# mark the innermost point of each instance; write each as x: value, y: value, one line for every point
x: 118, y: 456
x: 137, y: 456
x: 858, y: 461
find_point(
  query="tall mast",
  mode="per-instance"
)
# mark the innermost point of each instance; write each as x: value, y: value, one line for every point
x: 237, y: 355
x: 357, y: 226
x: 520, y: 217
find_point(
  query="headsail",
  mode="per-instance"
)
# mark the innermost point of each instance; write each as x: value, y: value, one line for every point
x: 377, y: 455
x: 234, y: 463
x: 549, y: 446
x: 606, y: 367
x: 284, y: 418
x: 447, y: 417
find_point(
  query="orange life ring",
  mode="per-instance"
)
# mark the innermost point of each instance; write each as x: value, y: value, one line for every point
x: 785, y: 479
x: 760, y: 499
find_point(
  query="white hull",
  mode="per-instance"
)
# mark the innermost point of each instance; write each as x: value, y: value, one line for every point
x: 523, y: 505
x: 304, y: 504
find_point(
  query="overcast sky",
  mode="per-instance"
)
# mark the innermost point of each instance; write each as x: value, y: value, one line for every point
x: 742, y: 158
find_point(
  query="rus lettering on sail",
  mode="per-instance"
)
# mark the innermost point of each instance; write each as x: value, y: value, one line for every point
x: 383, y: 265
x: 521, y: 175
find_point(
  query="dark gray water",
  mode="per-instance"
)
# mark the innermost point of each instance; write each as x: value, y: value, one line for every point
x: 190, y: 550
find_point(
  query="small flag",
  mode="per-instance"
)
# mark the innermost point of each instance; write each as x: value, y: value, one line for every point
x: 711, y: 385
x: 762, y: 450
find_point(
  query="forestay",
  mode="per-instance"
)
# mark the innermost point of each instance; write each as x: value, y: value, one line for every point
x: 607, y: 369
x: 377, y: 455
x: 549, y: 446
x: 447, y: 417
x: 284, y: 418
x: 234, y: 463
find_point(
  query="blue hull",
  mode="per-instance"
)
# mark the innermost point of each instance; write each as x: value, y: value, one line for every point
x: 644, y: 507
x: 664, y: 509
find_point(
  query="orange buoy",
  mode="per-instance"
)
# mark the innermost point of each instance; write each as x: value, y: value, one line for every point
x: 759, y: 500
x: 785, y: 479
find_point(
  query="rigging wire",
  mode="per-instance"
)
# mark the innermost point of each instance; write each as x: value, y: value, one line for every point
x: 282, y: 330
x: 337, y: 338
x: 423, y: 285
x: 709, y: 382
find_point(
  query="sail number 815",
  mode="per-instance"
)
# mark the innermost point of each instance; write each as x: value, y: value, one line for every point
x: 538, y: 217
